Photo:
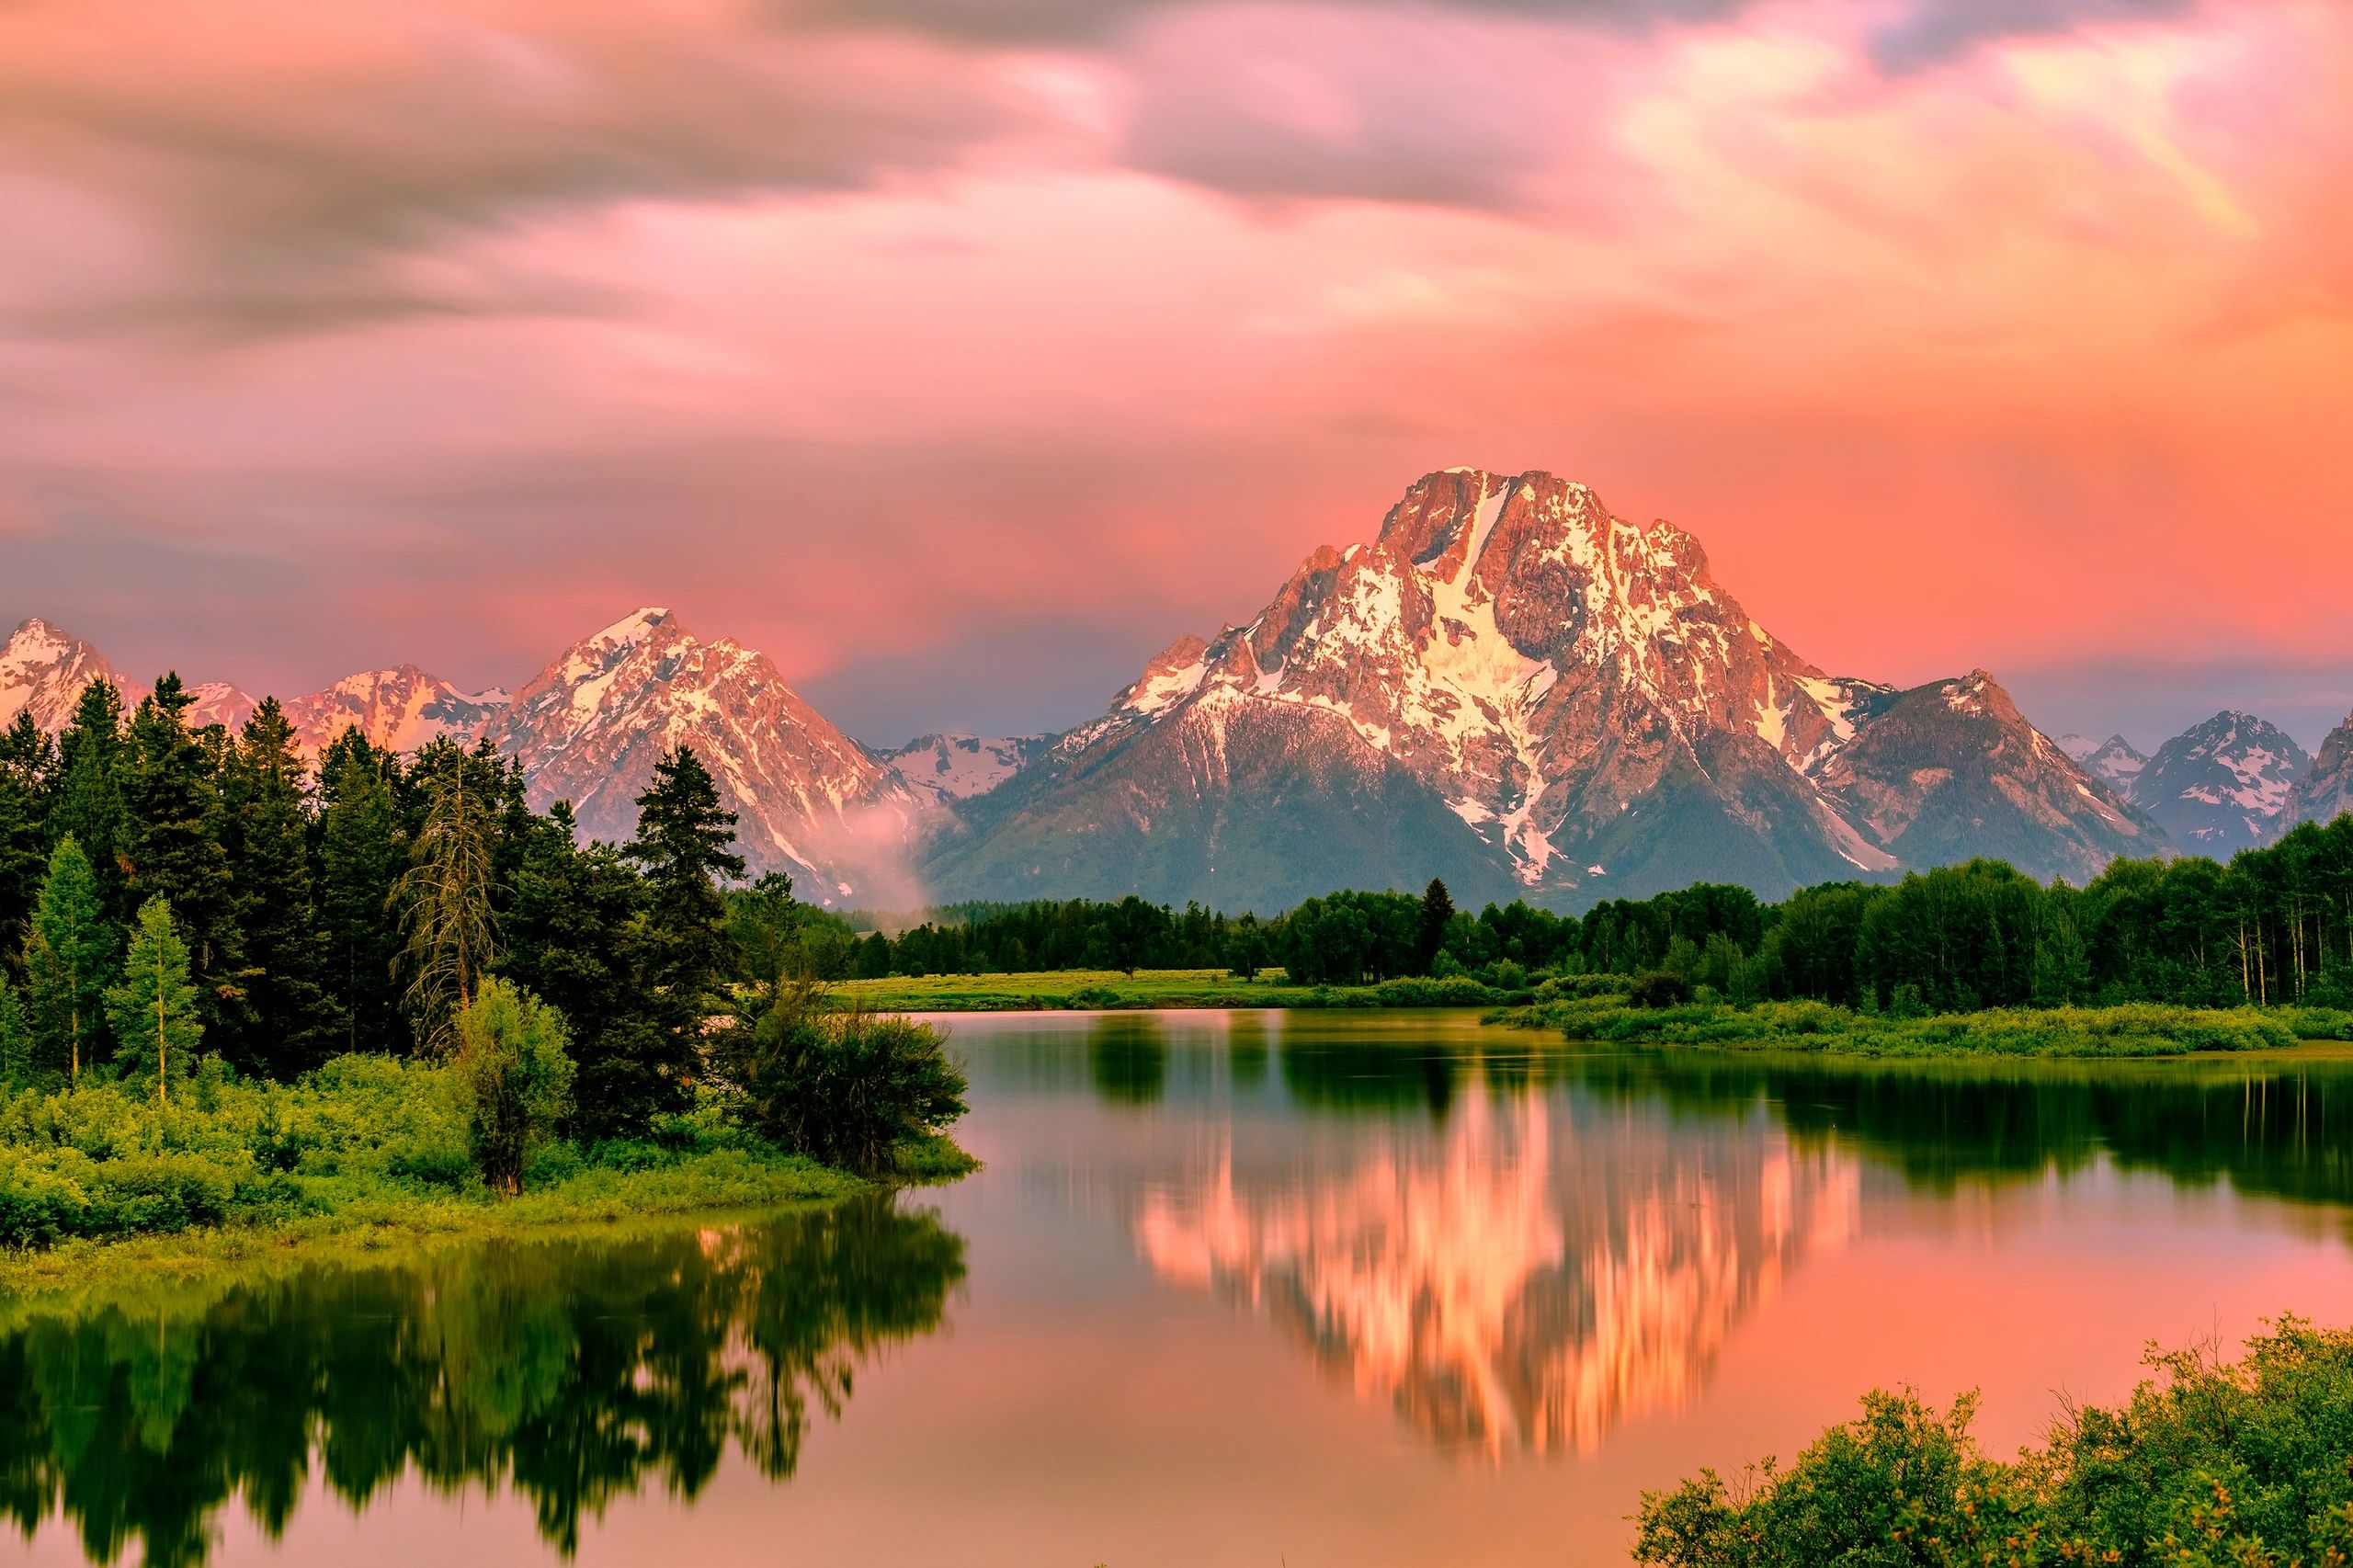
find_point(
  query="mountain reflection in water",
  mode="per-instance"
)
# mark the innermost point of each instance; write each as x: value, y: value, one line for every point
x: 572, y: 1373
x: 1518, y: 1280
x: 1522, y: 1246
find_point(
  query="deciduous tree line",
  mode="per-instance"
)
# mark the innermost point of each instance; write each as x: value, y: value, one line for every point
x: 2274, y: 925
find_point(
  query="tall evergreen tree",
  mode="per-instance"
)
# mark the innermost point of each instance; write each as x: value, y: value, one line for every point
x: 360, y: 857
x: 444, y: 897
x: 69, y: 959
x: 764, y: 922
x: 686, y: 846
x: 295, y: 1022
x: 89, y: 805
x: 28, y: 759
x: 1438, y: 908
x: 15, y: 1036
x: 155, y: 1008
x: 175, y: 851
x: 572, y: 935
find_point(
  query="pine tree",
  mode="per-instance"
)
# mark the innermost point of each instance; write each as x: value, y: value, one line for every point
x: 69, y: 959
x: 15, y: 1036
x: 155, y: 1009
x: 574, y: 937
x: 685, y: 845
x: 89, y: 807
x: 359, y: 865
x: 295, y: 1022
x: 1438, y: 908
x: 175, y: 850
x: 444, y: 898
x: 28, y: 759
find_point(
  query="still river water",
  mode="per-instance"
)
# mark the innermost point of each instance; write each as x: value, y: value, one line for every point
x: 1247, y: 1288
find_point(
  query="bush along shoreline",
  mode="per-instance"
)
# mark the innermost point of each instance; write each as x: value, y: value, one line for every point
x: 1666, y: 1015
x: 2209, y: 1464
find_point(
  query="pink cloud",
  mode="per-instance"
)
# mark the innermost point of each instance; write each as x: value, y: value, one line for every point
x: 864, y: 341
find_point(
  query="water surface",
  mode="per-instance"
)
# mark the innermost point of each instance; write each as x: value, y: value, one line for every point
x: 1234, y: 1289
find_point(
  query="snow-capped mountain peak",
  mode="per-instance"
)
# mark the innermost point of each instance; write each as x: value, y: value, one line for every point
x: 218, y: 703
x: 2224, y: 784
x: 43, y: 671
x: 1572, y: 690
x: 591, y: 725
x: 400, y: 708
x: 2114, y: 760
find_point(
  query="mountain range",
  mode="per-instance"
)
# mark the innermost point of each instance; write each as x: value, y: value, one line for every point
x: 1509, y: 687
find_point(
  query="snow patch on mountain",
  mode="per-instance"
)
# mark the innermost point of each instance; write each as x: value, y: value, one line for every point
x: 218, y: 703
x: 962, y: 768
x: 400, y: 708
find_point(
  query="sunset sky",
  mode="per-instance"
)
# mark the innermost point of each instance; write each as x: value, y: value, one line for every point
x: 960, y: 353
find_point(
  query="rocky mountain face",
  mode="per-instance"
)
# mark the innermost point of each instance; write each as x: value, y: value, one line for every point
x: 44, y: 670
x: 2326, y: 792
x: 400, y: 708
x: 946, y: 769
x: 1952, y: 770
x: 2112, y: 760
x: 1515, y: 688
x: 2224, y: 785
x: 589, y: 728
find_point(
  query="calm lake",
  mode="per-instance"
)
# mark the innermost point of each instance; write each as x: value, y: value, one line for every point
x: 1249, y: 1288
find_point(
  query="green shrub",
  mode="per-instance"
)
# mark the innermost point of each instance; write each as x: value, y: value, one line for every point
x: 848, y: 1088
x: 514, y: 1072
x: 1419, y: 991
x: 2208, y: 1463
x: 1659, y: 988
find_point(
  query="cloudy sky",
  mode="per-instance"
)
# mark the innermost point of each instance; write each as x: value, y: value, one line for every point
x: 959, y: 353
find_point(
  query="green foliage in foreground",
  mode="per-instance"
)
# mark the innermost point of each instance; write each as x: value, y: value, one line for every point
x: 850, y: 1088
x: 514, y: 1078
x: 365, y: 1140
x: 2140, y: 1029
x: 1111, y: 990
x: 2209, y: 1464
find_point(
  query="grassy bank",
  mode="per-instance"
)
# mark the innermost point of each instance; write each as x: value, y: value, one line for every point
x: 2139, y: 1030
x: 368, y: 1154
x: 1109, y: 990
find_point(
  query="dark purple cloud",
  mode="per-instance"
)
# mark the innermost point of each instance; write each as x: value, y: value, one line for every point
x: 1930, y: 33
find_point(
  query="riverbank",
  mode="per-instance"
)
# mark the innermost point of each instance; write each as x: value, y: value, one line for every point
x: 367, y: 1155
x: 1111, y: 991
x: 2137, y: 1030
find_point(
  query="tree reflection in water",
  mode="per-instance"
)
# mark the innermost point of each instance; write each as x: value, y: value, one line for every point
x: 574, y: 1371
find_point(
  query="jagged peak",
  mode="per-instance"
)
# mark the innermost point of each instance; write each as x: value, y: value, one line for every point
x: 634, y: 628
x: 361, y: 683
x: 35, y: 635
